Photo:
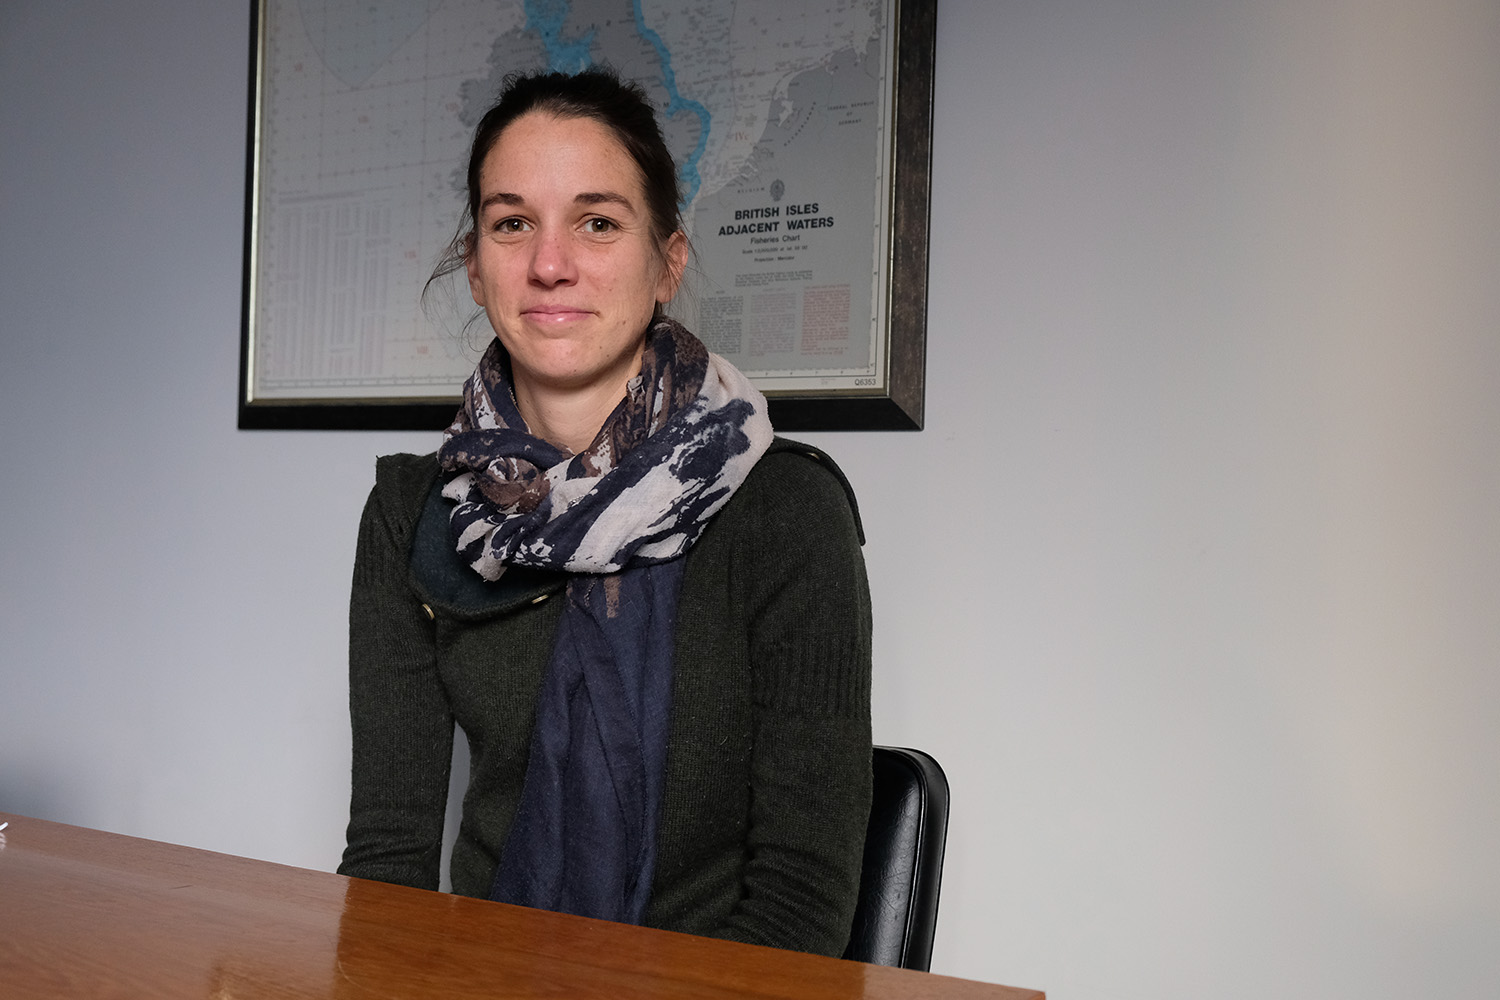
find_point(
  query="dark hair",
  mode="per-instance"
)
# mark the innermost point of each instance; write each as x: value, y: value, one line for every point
x: 597, y: 94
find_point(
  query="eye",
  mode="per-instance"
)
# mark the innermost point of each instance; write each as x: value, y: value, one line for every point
x: 510, y: 225
x: 598, y: 225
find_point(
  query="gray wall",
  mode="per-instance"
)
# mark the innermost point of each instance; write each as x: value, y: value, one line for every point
x: 1191, y: 582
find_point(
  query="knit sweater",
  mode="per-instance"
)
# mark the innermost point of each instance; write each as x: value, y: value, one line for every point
x: 768, y: 759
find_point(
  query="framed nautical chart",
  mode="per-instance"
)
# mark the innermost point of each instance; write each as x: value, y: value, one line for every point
x: 802, y: 134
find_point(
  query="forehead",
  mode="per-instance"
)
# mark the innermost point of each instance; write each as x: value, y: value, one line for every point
x: 540, y: 148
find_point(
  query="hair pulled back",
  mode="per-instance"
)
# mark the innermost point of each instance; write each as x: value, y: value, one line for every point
x: 599, y: 95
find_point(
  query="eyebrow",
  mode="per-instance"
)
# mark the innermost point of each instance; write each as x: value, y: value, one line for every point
x: 585, y: 198
x: 603, y: 198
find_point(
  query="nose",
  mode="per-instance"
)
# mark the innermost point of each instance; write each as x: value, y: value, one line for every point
x: 552, y: 261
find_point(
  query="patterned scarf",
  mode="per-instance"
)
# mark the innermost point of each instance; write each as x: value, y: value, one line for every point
x: 685, y: 436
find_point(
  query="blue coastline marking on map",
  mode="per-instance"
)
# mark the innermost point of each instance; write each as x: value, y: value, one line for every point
x: 688, y: 172
x: 546, y: 18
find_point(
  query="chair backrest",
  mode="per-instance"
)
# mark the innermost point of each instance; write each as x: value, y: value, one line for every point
x: 896, y: 915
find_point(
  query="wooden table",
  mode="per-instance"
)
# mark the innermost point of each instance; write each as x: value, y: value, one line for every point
x: 98, y: 915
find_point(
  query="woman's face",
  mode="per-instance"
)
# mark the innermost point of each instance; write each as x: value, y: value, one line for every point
x: 563, y: 261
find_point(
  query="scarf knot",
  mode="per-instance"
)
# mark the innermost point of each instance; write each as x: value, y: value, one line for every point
x: 686, y: 434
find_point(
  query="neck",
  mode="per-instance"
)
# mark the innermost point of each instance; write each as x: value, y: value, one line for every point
x: 568, y: 420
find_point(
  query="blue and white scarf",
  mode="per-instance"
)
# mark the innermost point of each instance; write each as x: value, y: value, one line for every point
x: 620, y: 514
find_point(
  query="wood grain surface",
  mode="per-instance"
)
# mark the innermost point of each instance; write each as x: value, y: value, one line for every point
x: 90, y: 914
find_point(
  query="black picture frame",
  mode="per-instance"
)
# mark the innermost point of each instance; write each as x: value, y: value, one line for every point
x: 899, y: 405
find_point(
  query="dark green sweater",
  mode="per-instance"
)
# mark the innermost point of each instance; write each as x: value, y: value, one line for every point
x: 768, y: 760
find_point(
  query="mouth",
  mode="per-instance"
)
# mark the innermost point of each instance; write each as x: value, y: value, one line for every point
x: 555, y: 314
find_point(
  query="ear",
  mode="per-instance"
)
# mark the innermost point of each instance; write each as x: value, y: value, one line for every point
x: 676, y: 254
x: 471, y: 268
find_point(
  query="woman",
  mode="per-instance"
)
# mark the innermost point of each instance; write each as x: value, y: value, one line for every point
x: 650, y: 619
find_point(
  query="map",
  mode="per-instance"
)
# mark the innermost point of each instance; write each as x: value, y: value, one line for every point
x: 776, y: 114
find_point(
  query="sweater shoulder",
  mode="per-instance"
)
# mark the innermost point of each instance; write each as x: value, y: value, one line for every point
x: 795, y: 475
x: 405, y: 476
x: 402, y: 483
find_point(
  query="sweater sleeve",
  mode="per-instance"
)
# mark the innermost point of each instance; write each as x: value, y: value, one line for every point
x: 810, y: 766
x: 401, y: 723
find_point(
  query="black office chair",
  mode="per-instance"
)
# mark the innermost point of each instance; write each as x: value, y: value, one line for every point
x: 896, y: 916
